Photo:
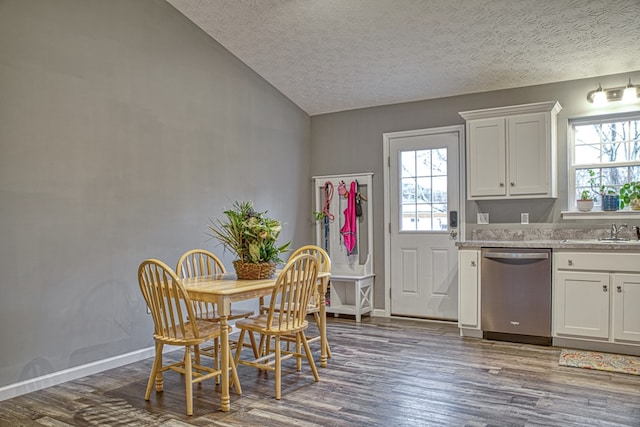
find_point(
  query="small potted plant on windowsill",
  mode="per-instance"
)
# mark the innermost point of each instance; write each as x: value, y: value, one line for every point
x: 630, y: 195
x: 585, y: 202
x: 610, y: 198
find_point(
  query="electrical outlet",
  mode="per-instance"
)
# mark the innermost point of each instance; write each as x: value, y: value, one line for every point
x: 483, y: 218
x: 524, y: 218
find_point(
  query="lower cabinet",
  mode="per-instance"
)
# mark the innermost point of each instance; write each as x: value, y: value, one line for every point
x: 581, y: 304
x: 469, y: 288
x: 596, y: 296
x: 626, y: 307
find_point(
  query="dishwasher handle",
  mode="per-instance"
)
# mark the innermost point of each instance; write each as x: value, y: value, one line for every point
x: 516, y: 255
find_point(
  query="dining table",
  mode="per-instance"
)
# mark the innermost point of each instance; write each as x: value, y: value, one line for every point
x: 224, y: 289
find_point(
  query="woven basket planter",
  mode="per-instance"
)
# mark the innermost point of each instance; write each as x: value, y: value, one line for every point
x: 246, y: 270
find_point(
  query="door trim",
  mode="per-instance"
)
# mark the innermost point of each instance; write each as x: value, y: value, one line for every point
x: 386, y: 150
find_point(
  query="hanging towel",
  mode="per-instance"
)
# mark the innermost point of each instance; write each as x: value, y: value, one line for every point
x: 348, y: 230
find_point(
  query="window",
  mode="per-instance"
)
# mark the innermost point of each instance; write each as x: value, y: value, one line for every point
x: 424, y: 190
x: 604, y: 153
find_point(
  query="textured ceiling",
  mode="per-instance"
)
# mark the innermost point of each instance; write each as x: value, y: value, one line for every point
x: 335, y: 55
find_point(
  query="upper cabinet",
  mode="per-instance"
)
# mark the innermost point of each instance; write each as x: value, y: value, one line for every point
x: 511, y: 151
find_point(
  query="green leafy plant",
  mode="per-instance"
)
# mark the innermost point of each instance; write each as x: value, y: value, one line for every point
x: 629, y: 192
x: 585, y: 195
x: 607, y: 190
x: 249, y: 234
x: 318, y: 215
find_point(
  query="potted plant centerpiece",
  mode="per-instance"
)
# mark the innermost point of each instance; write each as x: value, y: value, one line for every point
x: 252, y: 237
x: 630, y: 195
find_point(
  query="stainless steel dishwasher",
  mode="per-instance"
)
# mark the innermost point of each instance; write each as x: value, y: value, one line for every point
x: 516, y: 295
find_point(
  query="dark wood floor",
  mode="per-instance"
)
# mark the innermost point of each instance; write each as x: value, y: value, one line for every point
x: 383, y: 373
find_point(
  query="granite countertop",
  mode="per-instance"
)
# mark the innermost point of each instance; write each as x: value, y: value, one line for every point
x: 591, y: 244
x: 561, y: 238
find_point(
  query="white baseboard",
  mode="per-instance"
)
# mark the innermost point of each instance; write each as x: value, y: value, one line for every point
x: 54, y: 378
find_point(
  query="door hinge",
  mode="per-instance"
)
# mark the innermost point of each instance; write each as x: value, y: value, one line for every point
x: 389, y: 228
x: 389, y: 161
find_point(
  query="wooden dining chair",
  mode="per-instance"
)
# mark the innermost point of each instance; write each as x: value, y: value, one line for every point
x: 200, y: 262
x: 175, y: 324
x: 324, y: 265
x: 286, y: 317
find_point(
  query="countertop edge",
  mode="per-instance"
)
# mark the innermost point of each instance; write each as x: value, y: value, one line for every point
x: 550, y: 244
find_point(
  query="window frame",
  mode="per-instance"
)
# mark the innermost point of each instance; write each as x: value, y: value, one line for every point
x: 571, y: 135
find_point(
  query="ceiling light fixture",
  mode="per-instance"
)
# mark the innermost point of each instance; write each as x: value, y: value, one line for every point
x: 630, y: 93
x: 600, y: 96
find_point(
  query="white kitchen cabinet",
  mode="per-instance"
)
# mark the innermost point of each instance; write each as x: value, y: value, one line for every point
x: 469, y: 289
x: 597, y: 295
x: 511, y: 151
x: 626, y: 307
x: 581, y: 304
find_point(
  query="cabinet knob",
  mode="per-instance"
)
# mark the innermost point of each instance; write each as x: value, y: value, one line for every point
x: 473, y: 264
x: 513, y: 184
x: 570, y: 262
x: 605, y: 288
x: 619, y: 288
x: 502, y: 184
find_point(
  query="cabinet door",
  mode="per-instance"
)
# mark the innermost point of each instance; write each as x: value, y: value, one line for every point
x: 581, y: 304
x: 486, y: 170
x: 529, y: 155
x: 626, y: 307
x: 468, y: 288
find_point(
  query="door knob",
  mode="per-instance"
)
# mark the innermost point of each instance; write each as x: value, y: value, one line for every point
x: 453, y: 233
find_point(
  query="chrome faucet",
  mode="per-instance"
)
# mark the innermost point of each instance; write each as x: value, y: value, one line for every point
x: 616, y: 229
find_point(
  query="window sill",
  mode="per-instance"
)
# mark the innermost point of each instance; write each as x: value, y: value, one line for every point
x: 596, y: 215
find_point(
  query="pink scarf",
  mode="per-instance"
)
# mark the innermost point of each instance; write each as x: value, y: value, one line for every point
x: 348, y: 230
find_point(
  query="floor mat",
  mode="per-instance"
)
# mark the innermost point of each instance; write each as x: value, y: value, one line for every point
x: 600, y: 361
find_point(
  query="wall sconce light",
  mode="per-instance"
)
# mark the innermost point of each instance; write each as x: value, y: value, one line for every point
x: 627, y: 94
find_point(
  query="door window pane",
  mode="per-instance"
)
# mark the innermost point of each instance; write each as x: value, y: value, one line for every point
x: 423, y: 204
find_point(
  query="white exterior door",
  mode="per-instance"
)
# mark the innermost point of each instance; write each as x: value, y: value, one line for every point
x: 423, y: 215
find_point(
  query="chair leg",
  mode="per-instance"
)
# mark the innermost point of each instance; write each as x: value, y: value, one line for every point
x: 188, y: 379
x: 298, y: 353
x: 236, y: 359
x: 254, y: 346
x: 216, y: 357
x: 234, y: 374
x: 307, y: 350
x: 156, y: 372
x: 196, y: 354
x: 278, y: 367
x: 318, y: 322
x: 263, y: 345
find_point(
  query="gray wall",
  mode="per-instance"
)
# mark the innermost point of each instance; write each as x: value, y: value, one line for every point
x: 351, y: 142
x: 123, y: 129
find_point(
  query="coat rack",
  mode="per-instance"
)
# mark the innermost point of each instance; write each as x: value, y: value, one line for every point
x: 352, y: 275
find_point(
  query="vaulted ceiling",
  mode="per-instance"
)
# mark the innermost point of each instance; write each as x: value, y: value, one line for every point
x: 335, y: 55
